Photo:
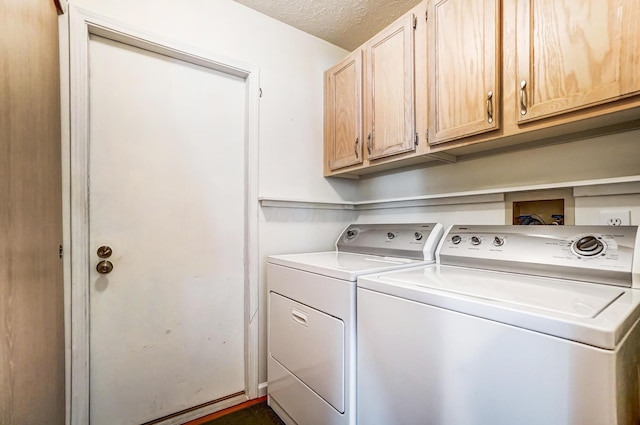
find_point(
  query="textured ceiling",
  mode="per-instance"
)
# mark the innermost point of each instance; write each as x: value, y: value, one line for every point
x: 345, y: 23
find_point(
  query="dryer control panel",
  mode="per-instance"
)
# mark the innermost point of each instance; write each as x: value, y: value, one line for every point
x: 600, y: 254
x: 403, y: 240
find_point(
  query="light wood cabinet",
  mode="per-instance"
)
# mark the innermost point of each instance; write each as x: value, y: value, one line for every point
x: 389, y: 88
x: 572, y: 54
x: 464, y: 68
x: 489, y: 76
x: 373, y: 115
x: 561, y: 68
x: 343, y: 113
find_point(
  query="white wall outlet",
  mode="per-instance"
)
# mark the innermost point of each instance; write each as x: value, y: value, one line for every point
x: 615, y: 218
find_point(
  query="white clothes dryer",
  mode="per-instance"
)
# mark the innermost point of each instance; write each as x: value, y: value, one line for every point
x: 312, y: 317
x: 527, y: 325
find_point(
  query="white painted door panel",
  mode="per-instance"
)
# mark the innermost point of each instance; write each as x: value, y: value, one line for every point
x: 167, y: 194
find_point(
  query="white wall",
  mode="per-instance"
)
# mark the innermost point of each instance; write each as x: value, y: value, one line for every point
x: 615, y: 155
x: 588, y: 208
x: 611, y: 156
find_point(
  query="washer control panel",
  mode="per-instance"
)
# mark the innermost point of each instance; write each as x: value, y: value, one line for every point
x: 405, y: 240
x: 601, y: 254
x: 588, y: 246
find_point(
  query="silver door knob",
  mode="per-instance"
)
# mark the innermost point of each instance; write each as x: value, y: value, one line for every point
x: 104, y: 267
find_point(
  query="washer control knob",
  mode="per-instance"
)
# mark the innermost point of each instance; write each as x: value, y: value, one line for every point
x: 498, y: 241
x: 588, y: 246
x: 391, y: 235
x: 351, y: 234
x: 456, y: 239
x: 475, y: 240
x: 418, y: 236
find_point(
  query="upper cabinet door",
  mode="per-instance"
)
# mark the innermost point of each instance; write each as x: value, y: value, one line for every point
x: 390, y: 93
x: 464, y: 78
x: 572, y: 54
x: 343, y: 112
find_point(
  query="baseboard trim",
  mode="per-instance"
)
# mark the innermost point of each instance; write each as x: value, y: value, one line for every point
x: 262, y: 390
x: 226, y: 411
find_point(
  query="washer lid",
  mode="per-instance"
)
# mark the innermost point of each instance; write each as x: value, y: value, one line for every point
x: 342, y: 265
x: 554, y: 296
x: 590, y: 313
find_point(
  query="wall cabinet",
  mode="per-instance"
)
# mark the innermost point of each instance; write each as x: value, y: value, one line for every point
x: 390, y: 115
x: 529, y: 71
x: 486, y: 76
x: 464, y: 68
x: 343, y: 113
x: 371, y: 116
x: 572, y: 54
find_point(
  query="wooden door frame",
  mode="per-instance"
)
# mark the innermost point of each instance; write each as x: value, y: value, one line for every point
x: 82, y: 24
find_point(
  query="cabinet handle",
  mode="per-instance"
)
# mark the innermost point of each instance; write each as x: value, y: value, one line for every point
x: 490, y: 107
x: 369, y: 143
x: 523, y: 98
x: 355, y: 147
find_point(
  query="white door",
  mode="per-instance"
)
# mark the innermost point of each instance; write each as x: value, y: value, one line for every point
x: 166, y: 194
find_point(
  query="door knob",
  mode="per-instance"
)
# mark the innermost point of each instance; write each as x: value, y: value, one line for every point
x: 104, y: 267
x: 104, y: 251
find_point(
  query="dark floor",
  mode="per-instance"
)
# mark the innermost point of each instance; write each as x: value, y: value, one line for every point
x: 258, y: 414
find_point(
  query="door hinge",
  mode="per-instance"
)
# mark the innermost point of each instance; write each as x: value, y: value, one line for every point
x: 260, y: 89
x: 426, y: 15
x: 415, y: 22
x: 60, y: 251
x: 417, y: 139
x: 426, y: 135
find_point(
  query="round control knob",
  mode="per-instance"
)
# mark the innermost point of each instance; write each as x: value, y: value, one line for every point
x: 588, y: 246
x: 351, y: 234
x: 390, y: 235
x: 475, y: 240
x: 418, y: 236
x: 456, y: 239
x: 498, y: 241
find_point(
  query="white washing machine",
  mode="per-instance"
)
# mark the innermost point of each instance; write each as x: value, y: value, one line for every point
x: 526, y: 325
x: 312, y: 317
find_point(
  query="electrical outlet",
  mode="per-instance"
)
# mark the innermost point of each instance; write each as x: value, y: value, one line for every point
x: 615, y: 218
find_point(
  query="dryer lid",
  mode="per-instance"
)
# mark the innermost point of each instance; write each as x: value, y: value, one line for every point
x: 342, y: 265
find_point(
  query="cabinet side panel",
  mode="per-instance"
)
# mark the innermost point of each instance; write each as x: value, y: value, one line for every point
x: 630, y: 72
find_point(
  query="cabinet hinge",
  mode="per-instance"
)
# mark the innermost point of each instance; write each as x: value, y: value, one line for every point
x: 415, y: 22
x: 426, y: 15
x: 60, y: 251
x: 426, y: 135
x: 417, y: 139
x: 260, y: 89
